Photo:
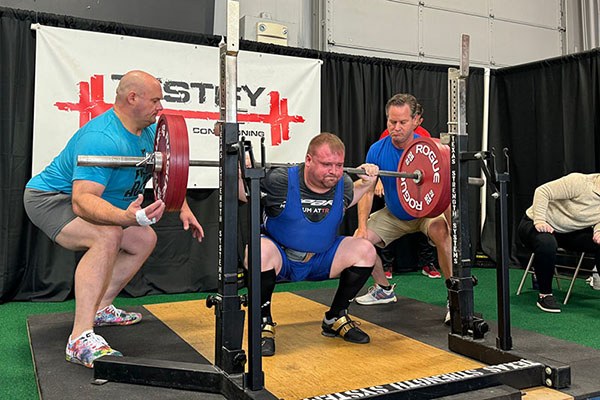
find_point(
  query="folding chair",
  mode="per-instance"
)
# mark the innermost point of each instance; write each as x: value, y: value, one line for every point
x: 558, y: 276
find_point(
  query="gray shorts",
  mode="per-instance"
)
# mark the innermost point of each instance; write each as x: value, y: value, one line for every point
x: 49, y: 211
x: 390, y: 228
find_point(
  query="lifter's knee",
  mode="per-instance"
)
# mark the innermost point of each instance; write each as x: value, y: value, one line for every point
x: 365, y: 251
x: 107, y: 237
x: 270, y: 258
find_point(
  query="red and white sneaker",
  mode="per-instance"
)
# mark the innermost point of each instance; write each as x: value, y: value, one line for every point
x: 431, y: 272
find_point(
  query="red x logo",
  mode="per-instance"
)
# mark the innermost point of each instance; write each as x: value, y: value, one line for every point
x: 91, y: 104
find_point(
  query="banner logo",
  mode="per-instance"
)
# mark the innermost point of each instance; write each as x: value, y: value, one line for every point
x: 91, y: 104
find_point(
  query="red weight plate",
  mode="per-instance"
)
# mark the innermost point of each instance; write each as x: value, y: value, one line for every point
x: 170, y: 184
x: 432, y: 194
x: 445, y: 195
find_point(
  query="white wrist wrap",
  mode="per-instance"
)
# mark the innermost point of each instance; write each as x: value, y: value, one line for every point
x: 142, y: 219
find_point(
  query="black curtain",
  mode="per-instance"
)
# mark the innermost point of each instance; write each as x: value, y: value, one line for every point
x: 354, y: 91
x: 17, y: 52
x: 546, y: 113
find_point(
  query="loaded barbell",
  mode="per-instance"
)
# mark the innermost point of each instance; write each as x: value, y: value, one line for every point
x: 423, y: 171
x: 155, y: 163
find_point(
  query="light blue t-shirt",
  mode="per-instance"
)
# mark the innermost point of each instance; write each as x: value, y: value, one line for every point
x: 104, y: 135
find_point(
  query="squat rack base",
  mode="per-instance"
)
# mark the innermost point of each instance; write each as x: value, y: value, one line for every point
x: 205, y: 378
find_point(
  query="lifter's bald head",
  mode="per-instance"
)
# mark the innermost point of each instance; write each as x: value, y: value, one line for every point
x: 138, y: 100
x: 135, y: 81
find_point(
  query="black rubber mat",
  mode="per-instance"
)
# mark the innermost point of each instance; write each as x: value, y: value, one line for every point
x: 62, y: 380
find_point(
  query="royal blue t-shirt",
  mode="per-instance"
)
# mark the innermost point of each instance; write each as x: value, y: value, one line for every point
x: 387, y: 156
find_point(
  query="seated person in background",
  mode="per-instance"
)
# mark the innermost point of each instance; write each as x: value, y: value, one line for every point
x: 565, y: 213
x: 99, y: 210
x: 425, y: 250
x: 392, y: 222
x: 304, y: 207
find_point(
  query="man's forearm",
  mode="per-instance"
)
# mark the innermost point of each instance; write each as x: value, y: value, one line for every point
x: 362, y: 188
x: 364, y: 209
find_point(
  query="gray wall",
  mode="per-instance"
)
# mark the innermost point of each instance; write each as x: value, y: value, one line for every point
x: 503, y: 32
x: 182, y: 15
x: 296, y: 14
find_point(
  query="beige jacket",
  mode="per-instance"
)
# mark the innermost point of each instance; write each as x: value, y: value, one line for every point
x: 569, y: 203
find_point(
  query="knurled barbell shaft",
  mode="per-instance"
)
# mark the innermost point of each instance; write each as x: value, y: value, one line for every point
x: 123, y: 161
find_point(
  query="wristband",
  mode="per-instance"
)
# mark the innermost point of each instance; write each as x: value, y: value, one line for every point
x: 142, y: 219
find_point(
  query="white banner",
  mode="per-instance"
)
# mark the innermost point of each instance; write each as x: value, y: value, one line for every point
x: 77, y: 73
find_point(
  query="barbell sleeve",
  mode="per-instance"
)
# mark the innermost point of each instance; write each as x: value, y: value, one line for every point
x: 395, y: 174
x: 474, y: 181
x: 110, y: 161
x: 131, y: 161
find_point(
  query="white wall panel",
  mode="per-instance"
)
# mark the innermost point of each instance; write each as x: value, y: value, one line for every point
x: 503, y: 32
x: 517, y: 44
x: 536, y: 12
x: 475, y: 7
x: 379, y: 53
x: 376, y: 24
x: 442, y: 31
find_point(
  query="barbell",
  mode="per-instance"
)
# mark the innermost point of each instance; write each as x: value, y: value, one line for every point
x: 423, y: 171
x: 155, y: 161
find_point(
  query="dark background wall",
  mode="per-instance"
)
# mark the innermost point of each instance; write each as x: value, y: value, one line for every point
x: 196, y: 16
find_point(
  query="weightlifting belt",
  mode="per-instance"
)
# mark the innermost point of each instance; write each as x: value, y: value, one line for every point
x: 297, y: 256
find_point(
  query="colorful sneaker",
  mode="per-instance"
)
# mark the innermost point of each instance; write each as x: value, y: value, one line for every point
x: 377, y: 295
x: 87, y: 348
x: 548, y: 304
x: 431, y: 272
x: 346, y: 328
x: 110, y: 315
